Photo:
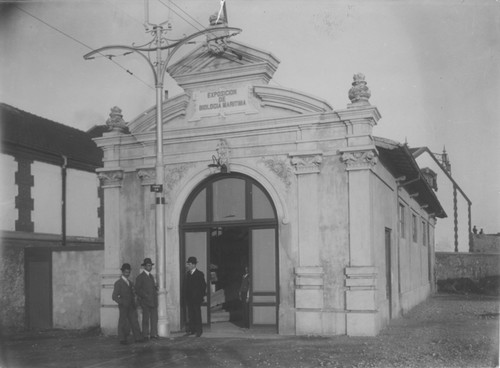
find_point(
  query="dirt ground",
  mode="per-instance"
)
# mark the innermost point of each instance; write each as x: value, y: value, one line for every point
x: 445, y: 331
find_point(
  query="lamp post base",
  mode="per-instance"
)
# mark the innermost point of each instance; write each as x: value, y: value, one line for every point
x: 163, y: 330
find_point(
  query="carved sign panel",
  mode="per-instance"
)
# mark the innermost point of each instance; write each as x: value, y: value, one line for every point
x: 222, y: 101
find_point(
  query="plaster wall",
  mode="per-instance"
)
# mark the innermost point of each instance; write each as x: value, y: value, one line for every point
x: 414, y: 257
x: 8, y: 192
x: 385, y: 206
x: 46, y: 194
x: 75, y: 283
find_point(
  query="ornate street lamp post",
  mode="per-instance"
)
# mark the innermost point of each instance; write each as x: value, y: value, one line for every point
x: 164, y: 51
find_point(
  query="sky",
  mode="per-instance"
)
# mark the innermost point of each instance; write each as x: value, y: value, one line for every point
x: 433, y: 67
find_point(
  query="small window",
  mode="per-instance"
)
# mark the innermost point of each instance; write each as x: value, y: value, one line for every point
x: 415, y: 228
x: 402, y: 226
x: 423, y: 233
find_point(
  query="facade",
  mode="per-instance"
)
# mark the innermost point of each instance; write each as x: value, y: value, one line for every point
x: 453, y: 234
x: 335, y: 226
x: 51, y: 226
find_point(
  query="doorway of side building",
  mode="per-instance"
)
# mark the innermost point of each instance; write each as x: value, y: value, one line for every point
x: 229, y: 224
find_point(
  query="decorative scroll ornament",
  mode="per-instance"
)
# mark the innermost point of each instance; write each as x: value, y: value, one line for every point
x: 111, y: 178
x: 307, y: 164
x: 359, y: 92
x: 147, y: 176
x: 359, y: 159
x: 223, y: 153
x: 115, y: 121
x: 280, y: 168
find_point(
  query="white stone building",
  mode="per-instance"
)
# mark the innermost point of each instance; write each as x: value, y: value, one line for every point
x: 335, y: 225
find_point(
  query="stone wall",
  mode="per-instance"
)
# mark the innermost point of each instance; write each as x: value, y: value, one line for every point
x: 473, y: 266
x: 486, y: 243
x: 11, y: 288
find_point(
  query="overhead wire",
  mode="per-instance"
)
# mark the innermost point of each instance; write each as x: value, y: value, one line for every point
x: 180, y: 16
x: 109, y: 57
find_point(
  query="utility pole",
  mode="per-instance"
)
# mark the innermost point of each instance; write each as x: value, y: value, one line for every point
x: 164, y: 51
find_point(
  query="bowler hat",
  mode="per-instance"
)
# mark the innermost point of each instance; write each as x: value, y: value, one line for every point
x: 192, y: 260
x: 147, y: 261
x: 125, y: 266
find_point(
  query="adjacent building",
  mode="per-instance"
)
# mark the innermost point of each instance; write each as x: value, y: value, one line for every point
x: 51, y: 224
x: 453, y: 234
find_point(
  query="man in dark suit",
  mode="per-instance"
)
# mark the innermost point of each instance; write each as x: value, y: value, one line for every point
x: 147, y: 292
x: 244, y: 297
x: 124, y: 295
x: 194, y: 291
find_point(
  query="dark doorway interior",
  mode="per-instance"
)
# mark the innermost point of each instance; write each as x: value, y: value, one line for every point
x: 229, y: 255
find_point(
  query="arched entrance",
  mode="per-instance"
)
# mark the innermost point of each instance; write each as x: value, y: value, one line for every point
x: 229, y: 223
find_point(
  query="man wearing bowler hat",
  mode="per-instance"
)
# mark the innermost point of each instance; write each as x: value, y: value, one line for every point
x: 147, y: 293
x: 124, y: 295
x: 195, y: 289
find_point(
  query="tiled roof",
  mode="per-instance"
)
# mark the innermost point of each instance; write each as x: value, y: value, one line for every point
x: 34, y: 135
x: 402, y: 164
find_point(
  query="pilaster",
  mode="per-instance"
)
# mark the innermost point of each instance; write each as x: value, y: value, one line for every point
x: 309, y: 296
x: 361, y: 276
x: 111, y: 182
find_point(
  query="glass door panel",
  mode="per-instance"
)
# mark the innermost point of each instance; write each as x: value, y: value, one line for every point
x: 264, y: 276
x: 229, y: 200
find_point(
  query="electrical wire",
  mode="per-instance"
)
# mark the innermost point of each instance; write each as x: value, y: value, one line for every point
x: 109, y: 57
x: 177, y: 6
x: 180, y: 16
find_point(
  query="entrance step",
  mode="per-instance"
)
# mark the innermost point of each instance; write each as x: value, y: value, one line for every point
x: 219, y: 316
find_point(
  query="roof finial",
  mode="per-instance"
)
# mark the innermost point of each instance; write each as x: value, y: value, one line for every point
x: 359, y: 92
x: 115, y: 121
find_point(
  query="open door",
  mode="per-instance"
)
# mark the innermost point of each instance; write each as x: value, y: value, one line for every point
x: 229, y: 224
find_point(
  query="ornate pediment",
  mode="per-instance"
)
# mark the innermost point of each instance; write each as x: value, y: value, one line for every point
x: 238, y: 62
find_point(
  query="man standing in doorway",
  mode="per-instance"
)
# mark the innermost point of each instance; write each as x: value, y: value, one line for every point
x: 147, y: 293
x: 244, y: 297
x: 194, y: 291
x: 123, y: 294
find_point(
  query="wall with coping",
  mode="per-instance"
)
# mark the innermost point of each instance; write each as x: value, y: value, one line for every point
x: 486, y: 243
x: 75, y: 279
x: 76, y: 282
x: 466, y: 265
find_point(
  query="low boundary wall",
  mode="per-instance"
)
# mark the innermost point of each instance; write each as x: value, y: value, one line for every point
x: 474, y: 266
